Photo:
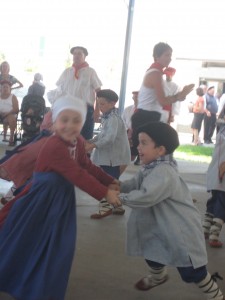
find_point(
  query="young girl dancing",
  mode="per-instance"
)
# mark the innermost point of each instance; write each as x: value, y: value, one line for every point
x: 37, y: 239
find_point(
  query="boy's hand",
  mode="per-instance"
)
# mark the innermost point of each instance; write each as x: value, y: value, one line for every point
x: 112, y: 198
x: 186, y: 90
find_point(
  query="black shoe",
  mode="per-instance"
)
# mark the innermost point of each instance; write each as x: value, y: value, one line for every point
x: 137, y: 161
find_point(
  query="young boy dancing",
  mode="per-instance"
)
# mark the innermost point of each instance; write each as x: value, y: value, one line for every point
x: 111, y: 146
x: 164, y: 226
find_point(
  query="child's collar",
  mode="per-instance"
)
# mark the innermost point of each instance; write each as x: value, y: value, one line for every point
x: 162, y: 159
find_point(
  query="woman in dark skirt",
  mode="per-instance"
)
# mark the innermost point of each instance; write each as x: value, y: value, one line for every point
x: 198, y: 111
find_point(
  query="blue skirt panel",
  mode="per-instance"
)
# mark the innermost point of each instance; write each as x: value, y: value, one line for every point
x: 37, y: 241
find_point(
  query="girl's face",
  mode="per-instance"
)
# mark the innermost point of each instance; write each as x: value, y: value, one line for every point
x: 68, y: 125
x: 105, y: 106
x: 165, y: 58
x: 147, y: 149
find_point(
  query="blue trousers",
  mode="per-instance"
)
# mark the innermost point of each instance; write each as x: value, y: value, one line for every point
x: 188, y: 274
x: 113, y: 171
x: 216, y: 204
x: 88, y: 128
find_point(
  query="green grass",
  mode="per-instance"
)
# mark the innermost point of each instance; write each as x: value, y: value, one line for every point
x: 194, y: 153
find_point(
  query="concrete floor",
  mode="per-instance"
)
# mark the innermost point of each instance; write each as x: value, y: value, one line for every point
x: 101, y: 269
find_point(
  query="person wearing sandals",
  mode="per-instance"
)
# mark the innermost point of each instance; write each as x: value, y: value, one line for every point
x: 111, y: 150
x: 164, y: 226
x: 9, y: 108
x: 38, y: 235
x: 215, y: 207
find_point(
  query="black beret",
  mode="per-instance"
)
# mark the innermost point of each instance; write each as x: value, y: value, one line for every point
x: 108, y: 94
x: 162, y: 134
x: 81, y: 48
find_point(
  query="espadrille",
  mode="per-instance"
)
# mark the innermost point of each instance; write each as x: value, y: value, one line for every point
x: 147, y: 283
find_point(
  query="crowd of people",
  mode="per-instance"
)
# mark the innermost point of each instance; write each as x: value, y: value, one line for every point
x: 40, y: 217
x: 207, y: 109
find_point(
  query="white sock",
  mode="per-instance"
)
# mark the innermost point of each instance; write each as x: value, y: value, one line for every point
x: 215, y: 229
x: 210, y: 288
x: 208, y: 221
x: 104, y: 206
x: 158, y: 274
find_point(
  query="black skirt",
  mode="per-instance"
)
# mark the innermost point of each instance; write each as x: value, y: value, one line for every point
x: 197, y: 121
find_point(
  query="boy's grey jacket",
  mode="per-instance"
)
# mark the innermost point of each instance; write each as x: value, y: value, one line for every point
x: 213, y: 181
x: 112, y: 146
x: 164, y: 225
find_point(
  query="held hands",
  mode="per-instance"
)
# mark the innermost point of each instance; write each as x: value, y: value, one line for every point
x: 112, y: 197
x: 89, y: 146
x: 115, y: 185
x: 186, y: 90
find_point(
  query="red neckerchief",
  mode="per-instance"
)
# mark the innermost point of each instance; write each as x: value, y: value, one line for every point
x: 157, y: 66
x: 77, y: 68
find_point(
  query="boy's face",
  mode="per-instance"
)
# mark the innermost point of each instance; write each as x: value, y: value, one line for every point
x: 78, y: 56
x: 68, y: 125
x: 147, y: 149
x: 165, y: 58
x: 104, y: 105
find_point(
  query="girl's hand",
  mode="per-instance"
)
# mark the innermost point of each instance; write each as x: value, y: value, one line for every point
x: 112, y: 197
x: 89, y: 146
x: 114, y: 187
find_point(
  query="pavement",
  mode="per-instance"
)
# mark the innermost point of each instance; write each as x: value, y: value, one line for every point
x: 101, y: 269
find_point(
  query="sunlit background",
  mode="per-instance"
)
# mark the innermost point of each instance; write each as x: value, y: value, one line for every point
x: 36, y: 36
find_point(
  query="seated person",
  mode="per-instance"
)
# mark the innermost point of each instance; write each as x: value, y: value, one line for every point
x: 37, y: 87
x: 9, y: 108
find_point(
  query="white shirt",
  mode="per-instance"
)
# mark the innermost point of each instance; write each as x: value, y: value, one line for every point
x: 147, y: 99
x: 84, y: 87
x: 221, y: 104
x: 6, y: 104
x: 126, y: 116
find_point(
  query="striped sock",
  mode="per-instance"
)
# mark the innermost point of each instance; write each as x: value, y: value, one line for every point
x: 104, y: 206
x: 215, y: 229
x: 208, y: 221
x: 158, y: 274
x: 210, y: 288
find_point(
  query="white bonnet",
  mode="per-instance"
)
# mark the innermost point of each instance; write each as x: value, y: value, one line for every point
x: 69, y: 102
